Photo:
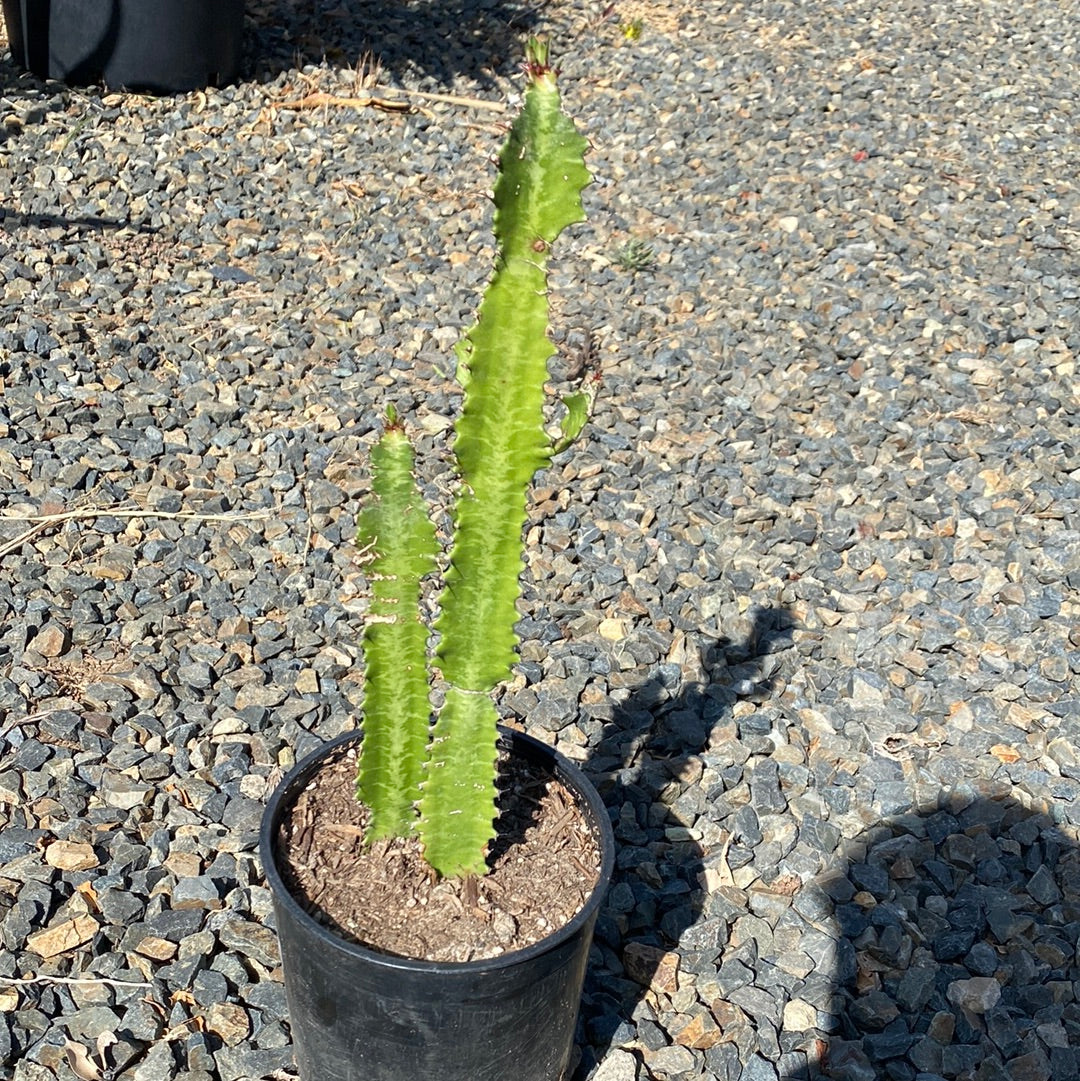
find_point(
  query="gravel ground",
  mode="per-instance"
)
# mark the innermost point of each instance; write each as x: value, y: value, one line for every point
x: 804, y: 599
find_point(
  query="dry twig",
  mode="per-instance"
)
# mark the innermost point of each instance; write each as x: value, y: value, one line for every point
x: 452, y: 99
x: 319, y: 99
x: 44, y: 521
x: 27, y: 981
x: 30, y: 718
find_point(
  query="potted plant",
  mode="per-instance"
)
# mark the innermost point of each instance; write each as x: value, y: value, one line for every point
x: 158, y: 46
x: 444, y: 797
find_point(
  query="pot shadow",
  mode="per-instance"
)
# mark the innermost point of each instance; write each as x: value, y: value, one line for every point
x: 438, y: 39
x: 944, y: 943
x: 647, y: 768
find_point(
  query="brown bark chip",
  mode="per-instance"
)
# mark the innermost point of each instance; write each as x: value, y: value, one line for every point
x: 544, y: 864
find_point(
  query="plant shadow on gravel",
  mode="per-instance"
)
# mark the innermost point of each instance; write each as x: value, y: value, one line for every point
x: 437, y: 39
x: 11, y: 220
x: 648, y: 770
x: 947, y: 944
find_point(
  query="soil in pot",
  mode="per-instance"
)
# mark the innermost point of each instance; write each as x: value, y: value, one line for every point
x: 544, y: 864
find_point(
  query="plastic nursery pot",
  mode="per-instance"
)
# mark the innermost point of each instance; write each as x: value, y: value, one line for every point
x: 158, y: 46
x: 357, y: 1015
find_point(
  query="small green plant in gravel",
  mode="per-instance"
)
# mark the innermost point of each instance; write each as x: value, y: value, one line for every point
x: 439, y: 778
x: 635, y: 255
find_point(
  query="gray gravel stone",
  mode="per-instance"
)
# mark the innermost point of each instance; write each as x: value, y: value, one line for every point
x: 234, y: 1063
x: 671, y: 1062
x: 617, y: 1066
x: 158, y: 1065
x: 197, y: 892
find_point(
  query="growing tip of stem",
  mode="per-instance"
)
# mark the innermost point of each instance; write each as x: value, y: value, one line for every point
x: 392, y: 422
x: 537, y: 66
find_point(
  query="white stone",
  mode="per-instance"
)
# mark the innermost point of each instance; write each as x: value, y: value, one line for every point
x: 799, y: 1016
x: 617, y: 1066
x: 979, y: 994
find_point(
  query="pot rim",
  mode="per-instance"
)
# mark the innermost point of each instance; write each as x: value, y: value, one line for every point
x: 564, y: 769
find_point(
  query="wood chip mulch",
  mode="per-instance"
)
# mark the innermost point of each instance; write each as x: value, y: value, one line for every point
x: 545, y: 863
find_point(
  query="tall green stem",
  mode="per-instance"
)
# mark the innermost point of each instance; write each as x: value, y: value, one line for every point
x: 500, y: 442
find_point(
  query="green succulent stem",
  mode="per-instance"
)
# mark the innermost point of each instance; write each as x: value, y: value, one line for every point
x: 398, y: 533
x: 500, y: 442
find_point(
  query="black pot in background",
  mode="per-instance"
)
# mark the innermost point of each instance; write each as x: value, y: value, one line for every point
x: 158, y: 46
x: 357, y: 1015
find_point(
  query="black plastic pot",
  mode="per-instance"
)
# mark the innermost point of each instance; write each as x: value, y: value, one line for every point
x: 357, y: 1015
x: 159, y: 46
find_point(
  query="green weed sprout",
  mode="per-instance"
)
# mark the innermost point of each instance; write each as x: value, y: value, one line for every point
x: 635, y: 255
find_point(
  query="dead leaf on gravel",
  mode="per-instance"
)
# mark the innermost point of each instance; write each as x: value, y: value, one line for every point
x: 82, y: 1065
x: 88, y: 892
x: 104, y: 1042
